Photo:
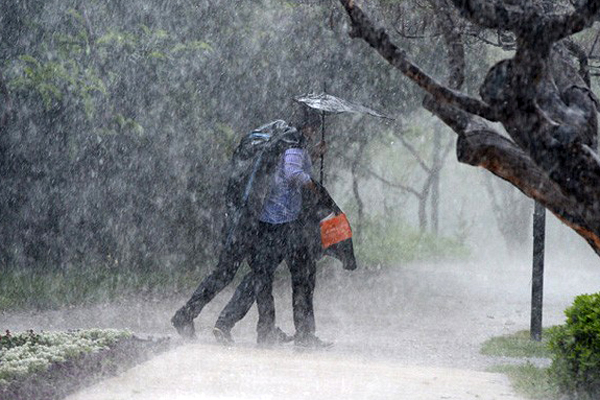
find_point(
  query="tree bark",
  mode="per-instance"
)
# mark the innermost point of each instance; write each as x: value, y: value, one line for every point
x: 548, y: 112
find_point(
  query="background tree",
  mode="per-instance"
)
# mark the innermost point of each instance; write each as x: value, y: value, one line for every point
x: 117, y: 120
x: 428, y: 179
x: 512, y: 212
x: 543, y: 102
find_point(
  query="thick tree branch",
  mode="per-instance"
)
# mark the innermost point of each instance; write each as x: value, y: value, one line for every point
x: 454, y: 43
x: 504, y: 159
x: 582, y: 57
x: 528, y: 20
x: 363, y: 28
x: 478, y: 145
x: 544, y: 105
x: 566, y: 25
x: 489, y: 13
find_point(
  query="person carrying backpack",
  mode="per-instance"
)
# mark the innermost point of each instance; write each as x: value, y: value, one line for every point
x: 264, y: 200
x: 327, y: 232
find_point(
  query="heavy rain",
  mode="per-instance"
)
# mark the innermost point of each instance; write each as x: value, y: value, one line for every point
x: 327, y: 199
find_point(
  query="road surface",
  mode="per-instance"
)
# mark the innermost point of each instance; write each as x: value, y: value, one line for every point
x: 200, y: 371
x: 410, y: 332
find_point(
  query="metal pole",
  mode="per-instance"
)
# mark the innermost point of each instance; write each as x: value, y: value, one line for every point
x: 321, y: 178
x: 537, y: 280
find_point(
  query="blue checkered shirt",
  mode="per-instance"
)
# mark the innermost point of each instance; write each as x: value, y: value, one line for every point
x: 284, y: 202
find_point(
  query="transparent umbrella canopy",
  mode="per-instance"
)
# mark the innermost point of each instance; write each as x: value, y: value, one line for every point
x: 334, y: 105
x: 329, y: 104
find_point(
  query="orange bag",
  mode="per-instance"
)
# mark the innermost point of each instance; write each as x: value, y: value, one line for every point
x: 334, y: 229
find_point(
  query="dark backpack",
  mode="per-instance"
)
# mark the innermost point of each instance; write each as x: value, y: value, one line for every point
x: 250, y: 172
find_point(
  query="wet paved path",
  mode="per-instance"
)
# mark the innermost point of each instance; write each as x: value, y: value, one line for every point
x: 406, y: 332
x: 199, y: 371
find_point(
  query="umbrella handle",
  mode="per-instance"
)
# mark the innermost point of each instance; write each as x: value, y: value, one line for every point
x: 322, y: 140
x: 323, y: 136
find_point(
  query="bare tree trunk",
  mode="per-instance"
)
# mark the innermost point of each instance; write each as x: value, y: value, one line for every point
x: 435, y: 181
x: 432, y: 172
x: 423, y: 207
x: 512, y: 212
x: 355, y: 188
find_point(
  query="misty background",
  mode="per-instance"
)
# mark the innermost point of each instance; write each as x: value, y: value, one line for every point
x: 118, y: 120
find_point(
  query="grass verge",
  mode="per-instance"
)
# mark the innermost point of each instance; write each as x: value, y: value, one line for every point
x: 83, y: 286
x: 517, y: 344
x: 529, y: 380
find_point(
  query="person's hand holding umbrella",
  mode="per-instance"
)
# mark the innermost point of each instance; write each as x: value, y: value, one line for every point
x: 318, y: 150
x: 328, y: 104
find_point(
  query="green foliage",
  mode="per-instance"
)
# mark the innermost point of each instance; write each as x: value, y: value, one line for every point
x: 529, y: 380
x: 576, y: 348
x: 526, y: 378
x: 194, y: 45
x: 43, y: 78
x: 517, y: 344
x: 8, y: 340
x: 52, y: 80
x: 113, y: 38
x: 387, y: 243
x: 125, y: 114
x: 100, y: 284
x: 122, y: 124
x: 26, y: 353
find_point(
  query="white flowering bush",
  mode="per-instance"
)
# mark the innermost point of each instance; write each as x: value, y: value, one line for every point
x: 26, y: 353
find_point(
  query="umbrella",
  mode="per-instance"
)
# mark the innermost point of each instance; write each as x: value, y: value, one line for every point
x: 334, y: 105
x: 327, y: 103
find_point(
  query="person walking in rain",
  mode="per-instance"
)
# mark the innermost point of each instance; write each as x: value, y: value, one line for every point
x: 274, y: 237
x: 338, y: 245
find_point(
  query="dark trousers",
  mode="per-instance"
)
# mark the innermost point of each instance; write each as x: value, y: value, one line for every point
x: 239, y: 304
x: 275, y: 244
x: 230, y: 259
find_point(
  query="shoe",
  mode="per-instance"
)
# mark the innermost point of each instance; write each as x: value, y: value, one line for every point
x: 281, y: 336
x: 275, y: 337
x: 184, y: 325
x: 311, y: 342
x: 223, y: 336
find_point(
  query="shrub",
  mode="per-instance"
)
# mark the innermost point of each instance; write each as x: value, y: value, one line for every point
x: 25, y: 353
x: 386, y: 244
x: 576, y: 349
x: 51, y: 365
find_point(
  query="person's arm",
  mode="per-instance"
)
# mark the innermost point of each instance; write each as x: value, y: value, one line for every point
x: 293, y: 168
x: 318, y: 150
